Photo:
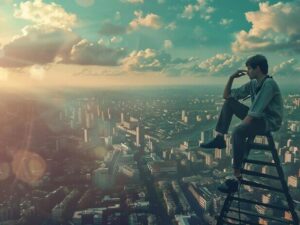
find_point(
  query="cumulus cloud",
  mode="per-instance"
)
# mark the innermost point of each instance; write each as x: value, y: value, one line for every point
x: 201, y: 7
x: 171, y: 26
x: 221, y: 64
x: 109, y: 28
x: 152, y: 60
x: 150, y: 20
x: 287, y: 68
x: 168, y: 44
x: 133, y: 1
x: 146, y: 60
x: 86, y: 53
x: 40, y: 13
x: 274, y: 27
x: 37, y: 45
x: 225, y: 22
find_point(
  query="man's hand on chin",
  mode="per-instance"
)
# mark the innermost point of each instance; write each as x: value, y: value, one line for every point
x: 247, y: 120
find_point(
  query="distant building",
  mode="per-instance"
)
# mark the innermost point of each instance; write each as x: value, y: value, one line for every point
x: 102, y: 178
x: 219, y: 153
x: 202, y: 195
x: 158, y: 168
x: 182, y: 220
x: 88, y: 217
x: 206, y: 135
x: 293, y: 181
x: 265, y: 169
x: 288, y: 157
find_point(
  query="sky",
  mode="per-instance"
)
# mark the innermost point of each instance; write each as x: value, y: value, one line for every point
x: 94, y: 43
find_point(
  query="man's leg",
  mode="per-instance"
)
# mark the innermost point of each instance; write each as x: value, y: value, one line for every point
x: 230, y: 107
x: 239, y: 135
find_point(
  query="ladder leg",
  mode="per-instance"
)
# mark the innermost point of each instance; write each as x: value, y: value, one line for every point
x: 225, y: 208
x: 283, y: 182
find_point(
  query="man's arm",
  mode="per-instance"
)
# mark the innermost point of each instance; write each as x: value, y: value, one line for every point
x: 228, y: 86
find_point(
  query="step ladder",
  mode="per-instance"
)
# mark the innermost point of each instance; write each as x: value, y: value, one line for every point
x: 232, y: 213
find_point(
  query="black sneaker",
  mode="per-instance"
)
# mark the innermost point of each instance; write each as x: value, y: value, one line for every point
x: 229, y: 186
x: 217, y: 142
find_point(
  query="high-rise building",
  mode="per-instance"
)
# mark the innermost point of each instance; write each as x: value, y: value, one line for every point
x: 206, y: 136
x: 293, y: 181
x: 183, y: 115
x: 139, y: 136
x: 102, y: 178
x: 288, y: 157
x: 219, y: 153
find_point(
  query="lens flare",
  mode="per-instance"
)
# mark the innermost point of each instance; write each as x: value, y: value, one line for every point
x: 28, y: 166
x: 5, y: 170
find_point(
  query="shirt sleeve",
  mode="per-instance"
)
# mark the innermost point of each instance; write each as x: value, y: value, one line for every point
x: 261, y: 100
x: 241, y: 92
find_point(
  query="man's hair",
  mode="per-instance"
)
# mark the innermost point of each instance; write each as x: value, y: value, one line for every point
x: 258, y: 60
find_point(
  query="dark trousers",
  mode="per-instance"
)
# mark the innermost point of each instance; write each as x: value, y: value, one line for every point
x: 242, y: 131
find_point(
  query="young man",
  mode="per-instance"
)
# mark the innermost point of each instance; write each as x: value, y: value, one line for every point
x: 264, y: 115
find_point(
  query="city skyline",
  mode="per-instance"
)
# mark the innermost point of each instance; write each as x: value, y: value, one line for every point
x: 140, y: 42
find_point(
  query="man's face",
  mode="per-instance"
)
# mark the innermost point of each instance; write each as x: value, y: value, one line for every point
x: 252, y: 73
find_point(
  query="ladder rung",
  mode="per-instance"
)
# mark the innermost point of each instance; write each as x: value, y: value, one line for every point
x: 243, y: 221
x: 258, y: 162
x: 249, y: 213
x: 263, y: 186
x: 283, y: 208
x: 259, y: 146
x: 257, y: 174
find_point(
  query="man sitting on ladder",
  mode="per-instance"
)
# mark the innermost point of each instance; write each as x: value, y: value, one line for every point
x: 264, y: 115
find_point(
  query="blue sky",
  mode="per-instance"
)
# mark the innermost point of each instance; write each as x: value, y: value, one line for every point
x: 143, y: 42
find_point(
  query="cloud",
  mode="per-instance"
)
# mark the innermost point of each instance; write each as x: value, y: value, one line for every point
x: 201, y: 7
x: 112, y: 29
x: 221, y: 64
x: 133, y: 1
x: 274, y: 27
x: 146, y: 60
x: 287, y: 68
x: 168, y: 44
x: 150, y: 20
x: 85, y: 3
x: 161, y: 1
x: 37, y: 45
x: 40, y: 45
x: 216, y: 66
x: 40, y: 13
x: 171, y: 26
x: 225, y: 22
x: 37, y: 72
x: 87, y: 53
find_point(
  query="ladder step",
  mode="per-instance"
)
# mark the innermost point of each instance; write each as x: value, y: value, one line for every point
x: 258, y: 162
x: 241, y: 221
x: 257, y: 174
x: 263, y: 186
x: 259, y: 146
x: 249, y: 213
x: 283, y: 208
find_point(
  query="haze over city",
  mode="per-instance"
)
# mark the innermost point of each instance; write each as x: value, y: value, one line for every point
x: 105, y: 104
